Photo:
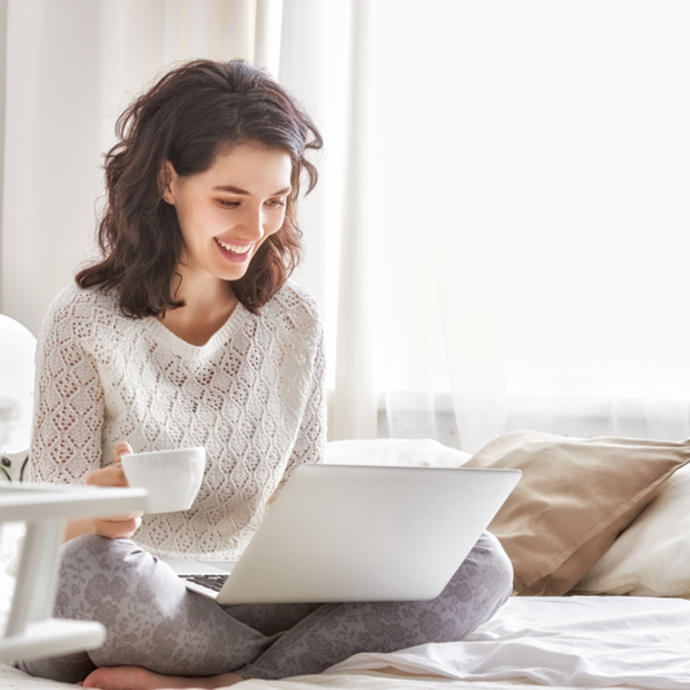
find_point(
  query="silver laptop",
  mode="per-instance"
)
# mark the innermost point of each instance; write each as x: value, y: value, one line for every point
x: 359, y: 533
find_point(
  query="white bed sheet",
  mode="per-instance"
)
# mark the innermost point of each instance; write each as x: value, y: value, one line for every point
x: 585, y: 641
x: 373, y: 680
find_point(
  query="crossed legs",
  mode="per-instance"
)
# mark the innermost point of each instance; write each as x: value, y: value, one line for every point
x: 154, y: 622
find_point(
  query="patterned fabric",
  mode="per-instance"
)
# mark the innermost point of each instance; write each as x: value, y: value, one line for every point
x: 253, y: 396
x: 153, y: 621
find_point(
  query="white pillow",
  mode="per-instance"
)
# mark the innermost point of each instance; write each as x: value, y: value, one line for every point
x: 652, y: 556
x: 394, y: 451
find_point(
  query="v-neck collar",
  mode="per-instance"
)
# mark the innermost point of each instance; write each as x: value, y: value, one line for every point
x: 184, y: 348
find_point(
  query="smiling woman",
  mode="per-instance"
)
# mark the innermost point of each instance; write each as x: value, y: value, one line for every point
x: 188, y: 333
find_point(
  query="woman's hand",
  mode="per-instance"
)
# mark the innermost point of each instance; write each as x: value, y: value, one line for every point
x: 121, y: 526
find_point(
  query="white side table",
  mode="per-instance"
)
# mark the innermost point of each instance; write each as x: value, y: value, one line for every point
x: 31, y: 631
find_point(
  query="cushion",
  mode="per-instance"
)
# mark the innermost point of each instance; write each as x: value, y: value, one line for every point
x: 574, y: 498
x: 394, y: 451
x: 652, y: 556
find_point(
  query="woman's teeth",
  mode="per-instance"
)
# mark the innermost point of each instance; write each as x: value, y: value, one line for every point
x: 235, y: 248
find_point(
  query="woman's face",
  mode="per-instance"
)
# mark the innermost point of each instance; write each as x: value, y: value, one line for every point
x: 227, y: 212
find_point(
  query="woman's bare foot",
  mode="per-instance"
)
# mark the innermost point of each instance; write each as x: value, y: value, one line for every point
x: 137, y: 678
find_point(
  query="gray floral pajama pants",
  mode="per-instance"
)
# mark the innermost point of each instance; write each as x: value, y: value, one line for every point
x: 152, y: 620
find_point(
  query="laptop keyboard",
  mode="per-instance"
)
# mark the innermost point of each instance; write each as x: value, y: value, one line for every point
x: 212, y: 581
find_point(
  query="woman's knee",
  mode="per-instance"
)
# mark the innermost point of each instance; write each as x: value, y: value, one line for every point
x: 91, y: 553
x: 92, y: 566
x: 493, y: 569
x: 479, y: 587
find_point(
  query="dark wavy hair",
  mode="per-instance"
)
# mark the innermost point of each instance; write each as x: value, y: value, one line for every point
x: 190, y: 115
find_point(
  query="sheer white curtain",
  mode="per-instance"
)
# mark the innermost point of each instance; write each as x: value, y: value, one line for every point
x: 522, y: 203
x: 498, y: 238
x: 512, y: 213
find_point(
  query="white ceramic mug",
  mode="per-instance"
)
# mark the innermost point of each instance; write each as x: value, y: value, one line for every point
x: 171, y: 477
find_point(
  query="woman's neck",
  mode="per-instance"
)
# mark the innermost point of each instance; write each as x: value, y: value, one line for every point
x: 207, y: 306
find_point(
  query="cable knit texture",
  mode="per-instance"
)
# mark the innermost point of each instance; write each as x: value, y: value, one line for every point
x: 253, y: 396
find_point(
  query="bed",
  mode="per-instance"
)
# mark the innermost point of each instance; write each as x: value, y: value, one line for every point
x: 623, y: 533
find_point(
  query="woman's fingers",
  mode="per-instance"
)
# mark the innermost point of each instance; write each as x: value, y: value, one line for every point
x: 121, y: 448
x: 112, y: 475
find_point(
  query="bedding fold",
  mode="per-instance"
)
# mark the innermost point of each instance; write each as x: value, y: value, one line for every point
x: 579, y: 641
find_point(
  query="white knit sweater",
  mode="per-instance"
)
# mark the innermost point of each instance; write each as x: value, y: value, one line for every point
x: 253, y: 396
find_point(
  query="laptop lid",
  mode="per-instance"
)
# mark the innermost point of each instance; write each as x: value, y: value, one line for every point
x: 366, y: 533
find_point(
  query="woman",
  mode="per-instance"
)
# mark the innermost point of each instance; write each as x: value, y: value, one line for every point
x: 187, y: 333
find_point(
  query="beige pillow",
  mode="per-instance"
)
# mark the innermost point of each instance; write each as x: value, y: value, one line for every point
x: 575, y: 496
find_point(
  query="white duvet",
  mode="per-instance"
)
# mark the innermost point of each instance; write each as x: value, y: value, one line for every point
x: 563, y: 641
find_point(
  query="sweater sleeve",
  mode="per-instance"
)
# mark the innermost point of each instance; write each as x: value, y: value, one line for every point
x: 310, y: 443
x: 68, y: 403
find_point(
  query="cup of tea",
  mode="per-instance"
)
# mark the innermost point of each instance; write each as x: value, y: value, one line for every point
x: 171, y: 477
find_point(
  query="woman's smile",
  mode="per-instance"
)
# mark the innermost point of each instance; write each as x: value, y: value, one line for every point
x: 234, y: 252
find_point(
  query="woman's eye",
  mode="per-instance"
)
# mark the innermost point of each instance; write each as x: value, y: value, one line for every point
x: 275, y: 203
x: 225, y: 203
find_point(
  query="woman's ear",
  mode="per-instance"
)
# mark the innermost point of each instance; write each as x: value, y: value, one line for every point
x: 166, y: 180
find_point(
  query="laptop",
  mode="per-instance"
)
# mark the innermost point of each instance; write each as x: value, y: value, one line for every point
x: 339, y: 533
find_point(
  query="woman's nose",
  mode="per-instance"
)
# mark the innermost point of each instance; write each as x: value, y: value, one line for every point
x: 254, y: 223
